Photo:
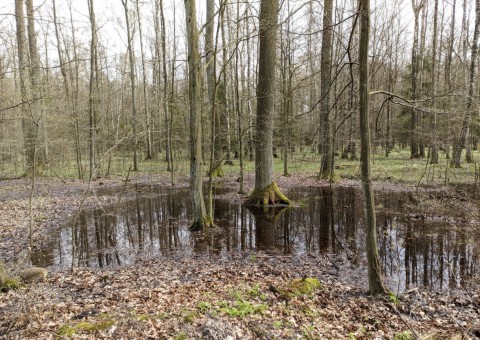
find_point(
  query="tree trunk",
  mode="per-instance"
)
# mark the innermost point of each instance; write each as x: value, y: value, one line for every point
x: 200, y: 218
x: 148, y: 120
x: 92, y: 99
x: 211, y: 60
x: 68, y: 93
x: 131, y: 60
x: 414, y: 140
x: 459, y: 142
x: 28, y: 122
x: 375, y: 280
x: 266, y: 191
x: 325, y: 75
x: 36, y: 106
x: 434, y: 143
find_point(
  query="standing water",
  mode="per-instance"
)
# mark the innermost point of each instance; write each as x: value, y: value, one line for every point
x: 436, y: 251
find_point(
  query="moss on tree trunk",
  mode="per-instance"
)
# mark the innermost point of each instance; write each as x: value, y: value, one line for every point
x: 206, y: 223
x: 270, y: 195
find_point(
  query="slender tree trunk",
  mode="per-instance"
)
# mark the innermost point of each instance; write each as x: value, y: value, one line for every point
x: 266, y: 191
x: 325, y: 75
x: 92, y: 99
x: 131, y: 60
x: 148, y: 119
x: 36, y: 105
x: 414, y: 141
x: 68, y: 93
x: 75, y: 92
x: 434, y: 142
x: 448, y: 73
x: 463, y: 137
x: 200, y: 218
x: 375, y: 280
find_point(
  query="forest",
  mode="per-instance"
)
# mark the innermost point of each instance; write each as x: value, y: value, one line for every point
x: 229, y: 169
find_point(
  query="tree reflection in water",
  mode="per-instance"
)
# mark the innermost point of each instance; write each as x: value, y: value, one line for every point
x: 415, y: 250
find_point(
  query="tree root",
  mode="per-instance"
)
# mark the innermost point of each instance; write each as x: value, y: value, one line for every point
x: 270, y: 195
x: 205, y: 224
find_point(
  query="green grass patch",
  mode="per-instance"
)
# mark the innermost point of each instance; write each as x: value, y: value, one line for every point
x: 241, y: 308
x: 85, y: 327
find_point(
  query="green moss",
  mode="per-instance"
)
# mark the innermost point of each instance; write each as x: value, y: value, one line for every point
x: 189, y: 316
x: 86, y: 327
x: 277, y: 324
x: 392, y: 297
x: 255, y: 290
x: 181, y: 336
x: 242, y: 308
x: 8, y: 283
x: 204, y: 306
x: 303, y: 286
x: 236, y: 294
x: 146, y: 317
x: 404, y: 336
x: 270, y: 195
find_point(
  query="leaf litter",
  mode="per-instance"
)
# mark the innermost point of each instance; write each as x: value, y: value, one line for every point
x: 191, y: 297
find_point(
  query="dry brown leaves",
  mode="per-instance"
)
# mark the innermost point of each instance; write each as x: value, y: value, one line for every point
x: 204, y: 297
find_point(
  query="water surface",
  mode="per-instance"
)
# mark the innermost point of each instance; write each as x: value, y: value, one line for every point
x: 435, y: 251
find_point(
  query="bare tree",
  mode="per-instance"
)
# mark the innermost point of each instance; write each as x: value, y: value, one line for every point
x: 201, y: 219
x: 460, y: 141
x: 93, y: 89
x: 375, y: 281
x: 266, y: 190
x: 326, y: 166
x: 131, y: 60
x: 146, y: 106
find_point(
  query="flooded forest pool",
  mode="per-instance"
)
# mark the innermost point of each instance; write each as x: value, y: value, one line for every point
x: 416, y: 250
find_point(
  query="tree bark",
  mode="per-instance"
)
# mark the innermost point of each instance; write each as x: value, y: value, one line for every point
x: 414, y: 139
x: 266, y: 191
x: 28, y: 121
x: 375, y: 280
x: 200, y: 218
x: 326, y: 166
x: 434, y: 142
x: 459, y: 142
x: 131, y: 59
x: 148, y: 119
x: 36, y: 105
x: 93, y: 91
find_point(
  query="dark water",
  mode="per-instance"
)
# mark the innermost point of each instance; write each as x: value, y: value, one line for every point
x: 415, y: 250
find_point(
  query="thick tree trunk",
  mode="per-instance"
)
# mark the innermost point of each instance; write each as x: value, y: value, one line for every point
x: 266, y: 192
x: 28, y: 123
x: 375, y: 280
x: 326, y: 166
x: 200, y: 218
x: 211, y: 60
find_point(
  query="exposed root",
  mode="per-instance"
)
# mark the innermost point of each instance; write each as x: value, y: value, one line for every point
x: 206, y: 223
x: 270, y: 195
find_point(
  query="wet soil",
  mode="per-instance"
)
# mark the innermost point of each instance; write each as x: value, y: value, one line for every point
x: 192, y: 293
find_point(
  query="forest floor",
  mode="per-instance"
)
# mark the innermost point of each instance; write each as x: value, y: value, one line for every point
x: 190, y: 297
